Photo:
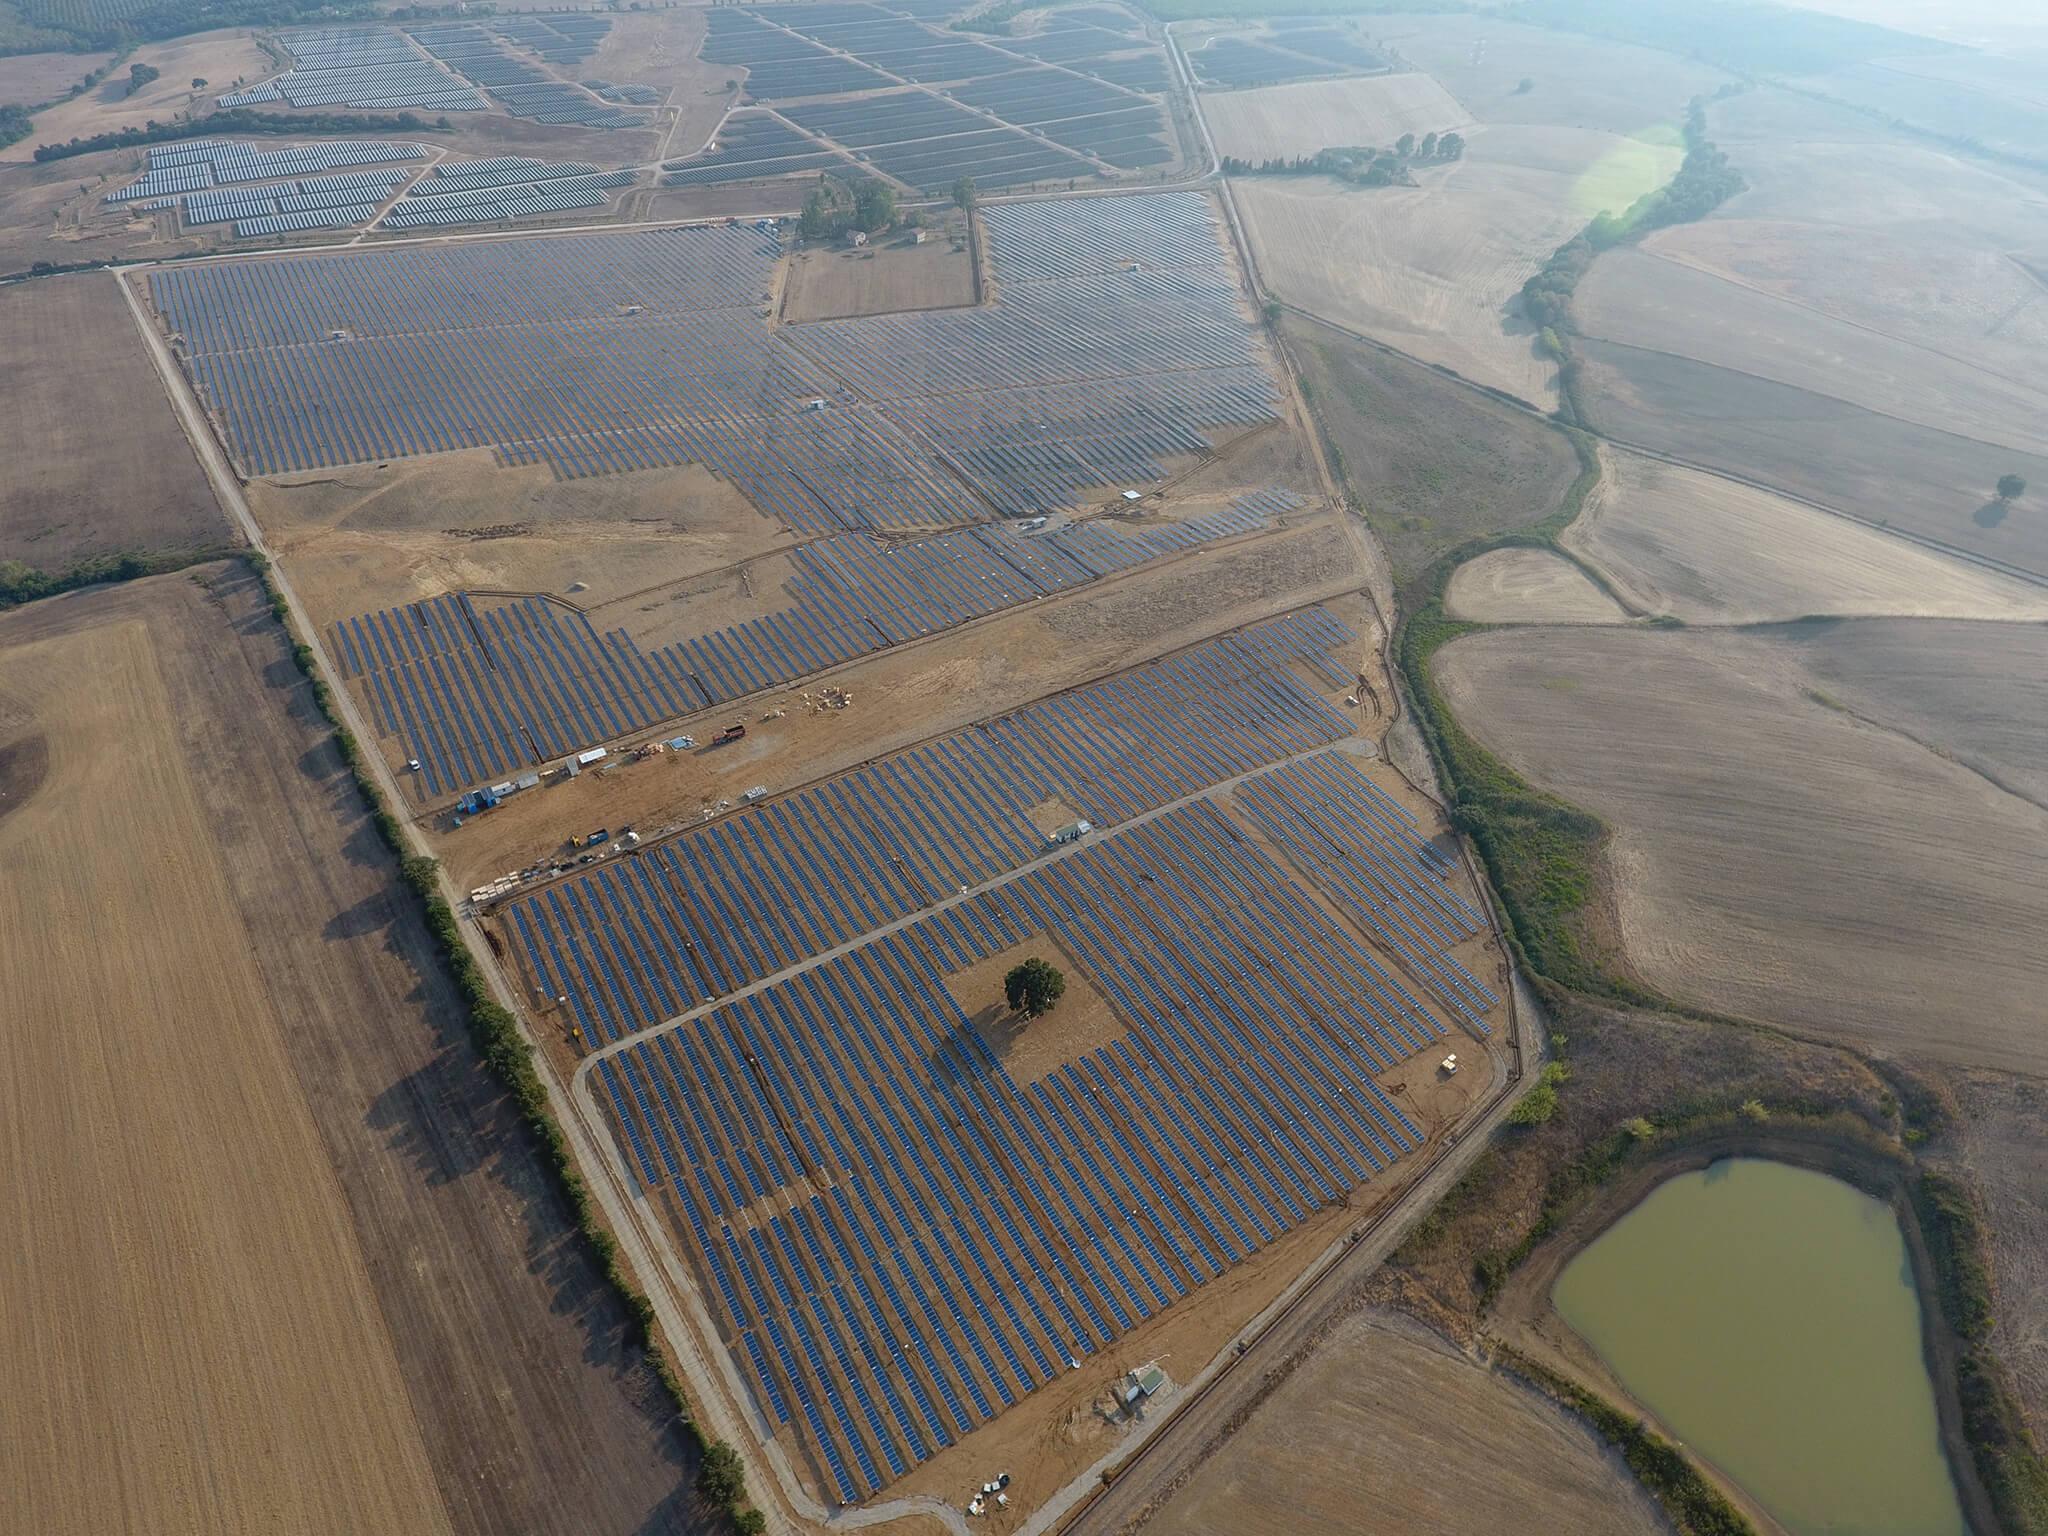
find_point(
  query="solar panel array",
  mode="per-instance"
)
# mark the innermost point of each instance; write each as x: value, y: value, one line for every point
x: 181, y: 168
x: 472, y: 191
x: 1233, y: 61
x: 471, y: 701
x: 558, y: 39
x: 751, y: 146
x: 928, y: 143
x: 1083, y: 374
x: 358, y: 67
x: 345, y: 200
x: 519, y: 87
x: 897, y: 1238
x: 779, y: 65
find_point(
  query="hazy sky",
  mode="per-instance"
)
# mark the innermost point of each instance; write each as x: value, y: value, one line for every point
x: 2005, y: 24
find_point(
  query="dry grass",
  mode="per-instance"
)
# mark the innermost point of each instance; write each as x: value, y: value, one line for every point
x: 189, y: 1319
x: 222, y: 59
x: 1713, y: 551
x: 1527, y: 586
x: 1636, y: 298
x: 1281, y: 121
x: 1387, y: 1430
x: 882, y: 279
x: 28, y: 79
x: 95, y: 461
x: 1774, y: 856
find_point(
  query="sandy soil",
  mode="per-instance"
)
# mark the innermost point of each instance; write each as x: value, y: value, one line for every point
x: 1343, y: 1448
x: 1527, y: 586
x: 1281, y: 121
x: 188, y: 1315
x: 1774, y: 856
x: 30, y: 78
x: 1636, y: 298
x: 831, y: 282
x: 1713, y: 551
x: 71, y: 366
x: 513, y: 1359
x: 2004, y: 1152
x: 222, y: 59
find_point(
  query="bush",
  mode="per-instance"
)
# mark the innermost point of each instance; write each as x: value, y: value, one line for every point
x: 723, y: 1476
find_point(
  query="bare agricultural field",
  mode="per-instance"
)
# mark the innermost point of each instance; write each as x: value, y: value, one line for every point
x: 1710, y: 550
x: 96, y: 461
x: 1635, y: 298
x: 189, y: 1320
x: 29, y: 79
x: 1575, y: 81
x: 1933, y: 485
x: 1388, y: 1430
x: 493, y: 1339
x: 1432, y: 463
x: 1437, y: 269
x: 1775, y: 856
x: 1281, y: 121
x: 882, y: 279
x: 1527, y: 586
x: 221, y: 59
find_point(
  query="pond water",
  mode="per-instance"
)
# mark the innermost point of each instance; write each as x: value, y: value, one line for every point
x: 1768, y: 1316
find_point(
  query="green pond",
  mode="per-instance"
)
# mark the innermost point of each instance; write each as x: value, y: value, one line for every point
x: 1768, y: 1316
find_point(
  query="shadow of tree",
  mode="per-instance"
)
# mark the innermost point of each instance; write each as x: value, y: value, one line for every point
x: 1992, y: 513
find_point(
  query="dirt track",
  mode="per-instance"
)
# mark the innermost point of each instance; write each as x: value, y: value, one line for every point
x: 505, y: 1352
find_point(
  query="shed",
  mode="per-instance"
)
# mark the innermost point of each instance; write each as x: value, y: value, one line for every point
x: 595, y: 754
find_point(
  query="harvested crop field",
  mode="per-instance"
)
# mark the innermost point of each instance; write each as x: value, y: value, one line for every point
x: 1437, y: 269
x: 1710, y: 550
x: 479, y: 1379
x: 1527, y: 586
x: 1432, y: 462
x: 1387, y: 1430
x: 1934, y: 485
x: 97, y: 462
x: 1638, y: 299
x: 222, y: 59
x: 1774, y: 855
x: 187, y: 1310
x: 881, y: 279
x: 1281, y: 121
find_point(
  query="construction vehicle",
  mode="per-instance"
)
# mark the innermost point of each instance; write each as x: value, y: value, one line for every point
x: 732, y: 732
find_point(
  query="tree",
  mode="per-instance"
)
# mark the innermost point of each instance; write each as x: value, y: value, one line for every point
x: 1451, y: 147
x: 963, y: 193
x: 2011, y: 487
x: 1033, y: 987
x: 819, y: 214
x: 1525, y: 87
x: 874, y: 205
x: 1404, y: 146
x: 140, y: 75
x: 722, y: 1475
x: 1428, y: 149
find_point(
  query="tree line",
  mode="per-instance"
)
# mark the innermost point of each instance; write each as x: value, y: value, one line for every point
x: 239, y: 120
x: 1359, y: 164
x: 835, y: 207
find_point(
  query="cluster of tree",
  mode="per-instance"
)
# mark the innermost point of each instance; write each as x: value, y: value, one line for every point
x: 140, y: 75
x: 20, y: 583
x: 995, y: 19
x: 238, y: 120
x: 1362, y: 165
x: 14, y: 125
x: 1705, y: 180
x: 965, y: 194
x: 834, y: 208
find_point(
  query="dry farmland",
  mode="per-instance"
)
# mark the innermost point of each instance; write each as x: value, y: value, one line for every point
x: 1714, y: 551
x: 1281, y: 121
x: 880, y: 279
x: 1387, y: 1430
x: 1934, y: 485
x: 1634, y: 298
x: 2004, y: 1151
x: 220, y: 58
x: 1775, y: 855
x: 285, y: 1261
x: 1527, y: 586
x: 69, y: 486
x: 30, y: 78
x: 1437, y: 269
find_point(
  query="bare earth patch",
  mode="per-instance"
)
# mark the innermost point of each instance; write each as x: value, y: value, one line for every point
x: 1527, y: 586
x: 1282, y: 121
x: 879, y: 279
x: 1031, y: 1049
